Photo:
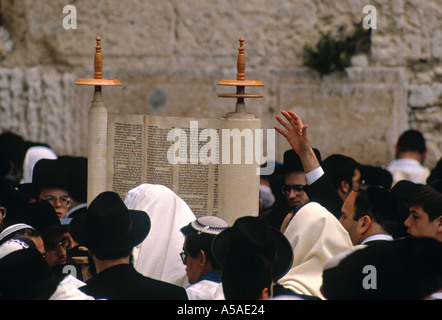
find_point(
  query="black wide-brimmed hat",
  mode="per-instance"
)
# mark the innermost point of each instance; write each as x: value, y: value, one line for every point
x: 292, y: 162
x: 108, y: 225
x: 404, y: 269
x: 405, y: 190
x: 42, y: 216
x: 253, y: 235
x: 47, y: 173
x: 13, y: 201
x: 77, y: 170
x: 25, y: 274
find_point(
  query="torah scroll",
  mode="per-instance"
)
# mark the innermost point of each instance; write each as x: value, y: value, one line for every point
x: 209, y: 163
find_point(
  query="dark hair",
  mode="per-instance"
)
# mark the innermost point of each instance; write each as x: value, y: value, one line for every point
x: 377, y: 176
x: 435, y: 177
x: 14, y: 147
x: 246, y: 276
x: 411, y: 140
x: 430, y: 200
x: 340, y: 168
x: 111, y: 255
x: 22, y: 233
x: 381, y: 207
x: 196, y: 241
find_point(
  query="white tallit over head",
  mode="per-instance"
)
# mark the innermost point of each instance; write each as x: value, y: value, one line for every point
x: 158, y: 256
x: 316, y: 236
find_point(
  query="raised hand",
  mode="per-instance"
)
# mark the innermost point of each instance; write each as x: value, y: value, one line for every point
x: 296, y: 134
x: 295, y: 131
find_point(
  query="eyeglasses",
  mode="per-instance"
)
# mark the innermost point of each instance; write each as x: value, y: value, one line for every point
x: 285, y: 189
x: 53, y: 246
x: 64, y: 201
x: 183, y: 256
x: 357, y: 183
x: 3, y: 211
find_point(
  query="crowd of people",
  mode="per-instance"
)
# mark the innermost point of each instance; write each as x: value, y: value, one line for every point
x: 327, y: 229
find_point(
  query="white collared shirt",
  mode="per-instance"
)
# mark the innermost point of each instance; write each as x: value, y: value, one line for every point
x: 379, y: 236
x: 314, y: 175
x: 408, y: 169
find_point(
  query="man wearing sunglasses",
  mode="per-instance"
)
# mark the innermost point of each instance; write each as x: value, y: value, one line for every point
x: 292, y: 189
x: 329, y: 181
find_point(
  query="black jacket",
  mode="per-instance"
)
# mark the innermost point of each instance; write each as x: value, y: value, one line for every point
x: 323, y: 192
x: 123, y: 282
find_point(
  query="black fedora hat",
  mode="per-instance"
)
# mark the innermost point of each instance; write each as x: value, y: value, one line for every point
x: 253, y: 235
x: 77, y: 171
x: 437, y: 184
x: 292, y: 162
x: 13, y: 201
x: 42, y: 216
x: 47, y: 173
x: 25, y: 275
x: 405, y: 269
x: 108, y: 225
x: 405, y: 190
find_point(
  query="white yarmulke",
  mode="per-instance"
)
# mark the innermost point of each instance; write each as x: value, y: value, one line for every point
x: 12, y: 246
x: 14, y: 228
x: 209, y: 224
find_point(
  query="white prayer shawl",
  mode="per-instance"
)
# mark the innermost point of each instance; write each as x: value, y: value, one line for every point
x: 158, y: 256
x: 316, y: 236
x: 205, y: 290
x: 33, y: 155
x: 68, y: 289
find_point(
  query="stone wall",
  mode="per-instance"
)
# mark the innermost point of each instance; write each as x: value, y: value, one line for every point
x: 170, y: 55
x: 39, y: 104
x: 359, y: 114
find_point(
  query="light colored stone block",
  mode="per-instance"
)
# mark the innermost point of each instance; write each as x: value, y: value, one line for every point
x: 359, y: 115
x: 39, y: 104
x: 171, y: 54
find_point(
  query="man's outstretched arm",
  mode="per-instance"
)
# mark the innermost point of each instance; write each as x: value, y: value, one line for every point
x: 296, y: 134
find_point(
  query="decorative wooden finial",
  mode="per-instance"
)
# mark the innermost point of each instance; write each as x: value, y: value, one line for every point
x: 240, y: 76
x: 98, y: 61
x: 98, y: 71
x: 241, y: 63
x: 240, y: 83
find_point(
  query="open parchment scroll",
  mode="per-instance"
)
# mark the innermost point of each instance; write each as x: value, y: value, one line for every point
x: 212, y: 164
x: 188, y: 156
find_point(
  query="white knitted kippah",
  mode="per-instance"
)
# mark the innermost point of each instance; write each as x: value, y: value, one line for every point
x: 12, y: 245
x: 209, y: 224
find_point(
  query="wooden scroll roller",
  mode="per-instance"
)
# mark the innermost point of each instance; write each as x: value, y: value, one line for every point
x: 98, y: 74
x: 82, y: 257
x: 240, y: 84
x: 97, y: 129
